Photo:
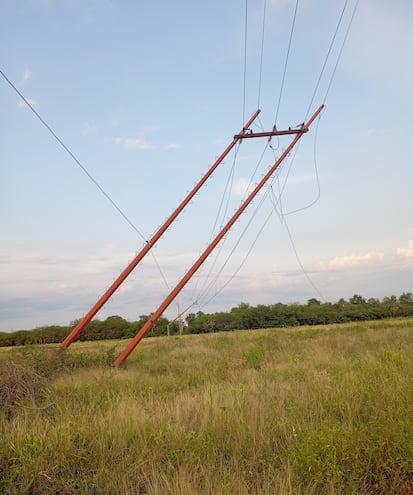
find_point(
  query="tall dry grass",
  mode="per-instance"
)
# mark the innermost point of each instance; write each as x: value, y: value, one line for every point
x: 321, y: 410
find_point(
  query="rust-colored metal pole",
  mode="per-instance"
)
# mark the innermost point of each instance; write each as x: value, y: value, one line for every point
x: 151, y: 242
x: 169, y: 299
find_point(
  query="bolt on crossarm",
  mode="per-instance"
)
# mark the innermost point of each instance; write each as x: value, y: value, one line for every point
x: 174, y: 293
x: 150, y: 243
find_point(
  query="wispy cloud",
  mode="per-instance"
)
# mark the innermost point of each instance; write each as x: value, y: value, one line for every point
x: 27, y: 75
x: 172, y: 146
x: 351, y: 260
x: 134, y: 143
x: 31, y: 101
x: 406, y: 252
x: 242, y: 187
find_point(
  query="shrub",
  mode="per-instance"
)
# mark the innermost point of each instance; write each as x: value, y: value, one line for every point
x: 19, y: 381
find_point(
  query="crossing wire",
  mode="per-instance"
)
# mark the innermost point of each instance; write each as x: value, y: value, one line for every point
x: 245, y: 59
x: 326, y: 59
x: 286, y: 62
x: 262, y: 54
x: 341, y: 49
x: 83, y: 168
x: 206, y: 287
x: 74, y: 158
x: 278, y: 201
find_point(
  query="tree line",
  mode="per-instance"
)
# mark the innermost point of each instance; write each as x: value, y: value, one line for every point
x: 241, y: 317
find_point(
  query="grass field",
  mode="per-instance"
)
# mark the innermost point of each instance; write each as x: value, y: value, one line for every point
x: 316, y: 410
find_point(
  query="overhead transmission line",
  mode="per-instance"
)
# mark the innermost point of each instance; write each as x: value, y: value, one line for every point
x: 229, y: 183
x: 262, y: 53
x: 221, y: 212
x: 277, y: 202
x: 74, y: 158
x: 341, y: 49
x: 245, y: 59
x: 327, y: 57
x: 206, y: 286
x: 85, y: 171
x: 326, y: 94
x: 245, y: 229
x: 281, y: 214
x: 286, y: 62
x: 318, y: 194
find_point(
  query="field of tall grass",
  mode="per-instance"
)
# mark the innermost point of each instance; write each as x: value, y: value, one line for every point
x: 313, y: 410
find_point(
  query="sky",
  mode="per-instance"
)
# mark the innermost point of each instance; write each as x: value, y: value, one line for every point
x: 146, y: 95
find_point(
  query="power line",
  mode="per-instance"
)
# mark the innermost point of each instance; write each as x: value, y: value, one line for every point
x: 221, y: 212
x: 262, y: 53
x: 245, y: 59
x: 83, y: 168
x: 341, y: 50
x: 255, y: 212
x: 207, y: 284
x: 306, y: 207
x: 74, y: 158
x: 286, y: 62
x: 300, y: 263
x: 326, y: 59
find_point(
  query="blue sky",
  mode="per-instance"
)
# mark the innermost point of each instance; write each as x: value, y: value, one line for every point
x: 147, y: 95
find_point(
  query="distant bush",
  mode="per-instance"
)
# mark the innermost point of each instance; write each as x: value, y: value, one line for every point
x: 241, y: 317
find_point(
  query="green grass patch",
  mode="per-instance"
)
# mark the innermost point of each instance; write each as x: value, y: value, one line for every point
x: 318, y: 410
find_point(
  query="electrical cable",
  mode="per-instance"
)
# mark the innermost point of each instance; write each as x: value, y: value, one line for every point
x: 266, y: 193
x: 300, y: 263
x: 315, y: 200
x: 262, y: 53
x: 76, y: 160
x: 326, y: 59
x: 341, y: 49
x: 244, y: 102
x: 83, y: 168
x: 276, y: 203
x: 286, y: 62
x: 227, y: 190
x: 245, y: 59
x: 202, y: 290
x: 208, y: 288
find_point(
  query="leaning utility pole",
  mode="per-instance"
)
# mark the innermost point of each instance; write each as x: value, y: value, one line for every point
x: 173, y: 294
x: 151, y: 242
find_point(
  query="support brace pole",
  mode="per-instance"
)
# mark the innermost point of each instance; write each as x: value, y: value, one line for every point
x: 169, y: 299
x: 150, y: 243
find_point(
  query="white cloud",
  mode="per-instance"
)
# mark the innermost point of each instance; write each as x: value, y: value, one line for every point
x: 134, y: 143
x: 242, y: 186
x: 27, y: 75
x: 31, y: 101
x: 351, y: 260
x: 406, y: 252
x: 172, y: 146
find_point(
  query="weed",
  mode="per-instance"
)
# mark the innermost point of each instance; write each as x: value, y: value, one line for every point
x: 254, y: 358
x: 275, y: 411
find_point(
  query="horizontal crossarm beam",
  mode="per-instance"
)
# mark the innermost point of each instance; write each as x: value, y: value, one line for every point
x: 270, y: 133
